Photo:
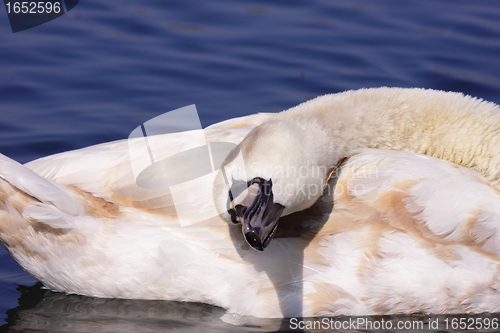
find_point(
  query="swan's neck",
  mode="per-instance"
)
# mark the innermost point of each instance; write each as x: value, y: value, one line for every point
x: 445, y: 125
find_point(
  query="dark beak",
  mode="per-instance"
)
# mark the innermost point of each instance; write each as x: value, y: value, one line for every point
x: 255, y: 210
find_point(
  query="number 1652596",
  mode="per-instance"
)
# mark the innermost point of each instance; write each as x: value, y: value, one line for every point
x: 27, y: 7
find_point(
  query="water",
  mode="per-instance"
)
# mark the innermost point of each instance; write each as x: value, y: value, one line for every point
x: 95, y: 74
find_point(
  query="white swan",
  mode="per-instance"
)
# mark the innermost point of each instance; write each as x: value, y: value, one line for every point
x: 393, y: 232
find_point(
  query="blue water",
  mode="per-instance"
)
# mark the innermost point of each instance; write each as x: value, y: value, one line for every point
x: 99, y: 71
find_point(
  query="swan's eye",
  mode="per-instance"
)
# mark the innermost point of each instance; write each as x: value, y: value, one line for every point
x: 236, y: 213
x: 234, y: 216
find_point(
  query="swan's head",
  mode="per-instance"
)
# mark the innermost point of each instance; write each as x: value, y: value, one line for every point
x: 278, y: 169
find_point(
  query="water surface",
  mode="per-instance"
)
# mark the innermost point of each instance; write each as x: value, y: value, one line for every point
x: 95, y: 74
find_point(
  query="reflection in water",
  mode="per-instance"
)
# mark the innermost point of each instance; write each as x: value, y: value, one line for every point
x: 43, y: 310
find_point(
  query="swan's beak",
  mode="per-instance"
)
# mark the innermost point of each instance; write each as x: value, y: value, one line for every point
x: 255, y: 210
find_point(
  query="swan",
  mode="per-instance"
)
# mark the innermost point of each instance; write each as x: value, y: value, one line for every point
x: 396, y: 210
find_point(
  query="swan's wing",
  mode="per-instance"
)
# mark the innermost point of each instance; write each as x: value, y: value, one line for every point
x: 430, y: 198
x: 403, y: 232
x: 106, y: 170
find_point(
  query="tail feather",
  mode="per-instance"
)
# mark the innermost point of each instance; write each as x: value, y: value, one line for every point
x: 31, y: 208
x: 42, y: 189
